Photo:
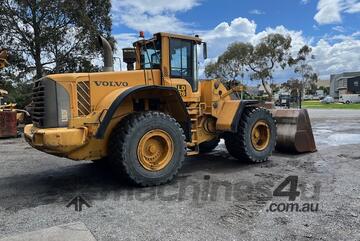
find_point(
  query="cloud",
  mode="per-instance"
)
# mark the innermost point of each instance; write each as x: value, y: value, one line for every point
x: 239, y: 29
x: 304, y: 2
x: 152, y: 15
x: 333, y: 54
x: 340, y: 29
x: 356, y: 34
x: 330, y: 11
x: 353, y: 6
x: 257, y: 12
x: 335, y: 58
x: 297, y: 37
x: 153, y: 24
x: 154, y: 7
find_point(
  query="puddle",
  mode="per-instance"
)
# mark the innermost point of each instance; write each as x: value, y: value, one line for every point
x: 325, y: 137
x: 340, y: 139
x: 323, y: 131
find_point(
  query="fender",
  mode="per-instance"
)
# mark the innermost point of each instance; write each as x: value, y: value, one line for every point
x: 135, y: 90
x: 243, y: 104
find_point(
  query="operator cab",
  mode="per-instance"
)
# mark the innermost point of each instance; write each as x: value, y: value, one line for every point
x: 176, y: 56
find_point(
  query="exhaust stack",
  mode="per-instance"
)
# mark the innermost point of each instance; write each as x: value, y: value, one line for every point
x: 108, y: 55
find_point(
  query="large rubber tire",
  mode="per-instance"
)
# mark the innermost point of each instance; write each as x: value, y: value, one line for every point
x: 124, y: 141
x: 239, y: 144
x: 101, y: 162
x: 209, y: 146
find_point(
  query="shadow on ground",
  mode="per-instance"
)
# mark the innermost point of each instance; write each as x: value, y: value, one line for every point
x: 89, y: 179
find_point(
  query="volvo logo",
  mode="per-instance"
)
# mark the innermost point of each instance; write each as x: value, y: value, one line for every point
x: 111, y: 83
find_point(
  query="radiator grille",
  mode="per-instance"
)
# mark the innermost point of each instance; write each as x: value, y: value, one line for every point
x: 38, y: 103
x: 83, y: 98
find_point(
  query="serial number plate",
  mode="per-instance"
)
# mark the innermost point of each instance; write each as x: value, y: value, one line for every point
x: 182, y: 90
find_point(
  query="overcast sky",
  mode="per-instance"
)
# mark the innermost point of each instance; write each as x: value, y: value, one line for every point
x: 330, y: 27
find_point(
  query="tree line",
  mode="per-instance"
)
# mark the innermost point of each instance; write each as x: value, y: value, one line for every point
x: 49, y: 36
x: 259, y: 61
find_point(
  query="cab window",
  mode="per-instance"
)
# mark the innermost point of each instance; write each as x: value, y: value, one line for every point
x: 151, y: 55
x: 183, y: 56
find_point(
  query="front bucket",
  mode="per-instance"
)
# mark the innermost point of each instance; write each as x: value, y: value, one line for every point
x: 294, y: 132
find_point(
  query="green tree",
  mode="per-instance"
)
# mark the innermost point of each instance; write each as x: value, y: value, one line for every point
x: 293, y: 86
x: 275, y: 88
x: 325, y: 89
x: 273, y: 51
x: 51, y: 36
x: 230, y: 67
x: 308, y: 77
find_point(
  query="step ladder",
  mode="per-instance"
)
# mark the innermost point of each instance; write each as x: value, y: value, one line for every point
x: 194, y: 112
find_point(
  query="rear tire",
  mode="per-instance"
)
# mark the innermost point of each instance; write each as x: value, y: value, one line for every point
x: 256, y: 138
x: 101, y: 162
x: 209, y: 146
x: 148, y: 148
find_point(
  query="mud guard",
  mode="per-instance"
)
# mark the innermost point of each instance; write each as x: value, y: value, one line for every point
x: 243, y: 104
x: 135, y: 90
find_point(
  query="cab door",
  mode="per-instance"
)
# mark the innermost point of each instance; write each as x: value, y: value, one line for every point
x: 184, y: 68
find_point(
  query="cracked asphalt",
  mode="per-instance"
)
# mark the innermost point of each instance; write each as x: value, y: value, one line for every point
x: 215, y: 197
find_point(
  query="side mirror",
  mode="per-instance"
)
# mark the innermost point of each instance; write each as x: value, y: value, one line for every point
x: 205, y: 52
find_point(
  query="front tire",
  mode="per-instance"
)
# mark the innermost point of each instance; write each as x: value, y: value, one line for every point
x: 256, y: 138
x: 148, y: 148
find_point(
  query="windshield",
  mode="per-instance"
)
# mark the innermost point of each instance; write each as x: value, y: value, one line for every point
x: 150, y: 55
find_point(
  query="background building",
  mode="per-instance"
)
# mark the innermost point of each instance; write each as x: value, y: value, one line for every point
x: 345, y: 83
x: 322, y: 83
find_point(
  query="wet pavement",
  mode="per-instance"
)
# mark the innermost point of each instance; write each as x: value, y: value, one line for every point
x: 336, y: 127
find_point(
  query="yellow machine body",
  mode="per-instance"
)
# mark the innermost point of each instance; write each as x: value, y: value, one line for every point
x: 99, y: 101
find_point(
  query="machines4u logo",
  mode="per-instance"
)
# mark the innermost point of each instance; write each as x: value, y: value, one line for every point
x: 291, y: 189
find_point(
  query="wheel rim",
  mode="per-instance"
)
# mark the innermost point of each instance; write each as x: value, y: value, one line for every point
x: 260, y: 135
x: 155, y: 150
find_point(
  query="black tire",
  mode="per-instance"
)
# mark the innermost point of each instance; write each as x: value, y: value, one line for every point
x: 239, y: 144
x: 124, y: 143
x: 209, y: 146
x: 101, y: 162
x: 347, y: 102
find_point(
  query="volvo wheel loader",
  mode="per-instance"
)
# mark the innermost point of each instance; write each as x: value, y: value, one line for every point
x: 144, y: 121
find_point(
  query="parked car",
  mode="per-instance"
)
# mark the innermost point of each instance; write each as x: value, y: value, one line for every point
x: 328, y: 100
x: 350, y: 98
x: 308, y: 97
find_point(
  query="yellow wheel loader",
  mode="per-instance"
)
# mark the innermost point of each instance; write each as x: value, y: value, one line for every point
x: 144, y: 121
